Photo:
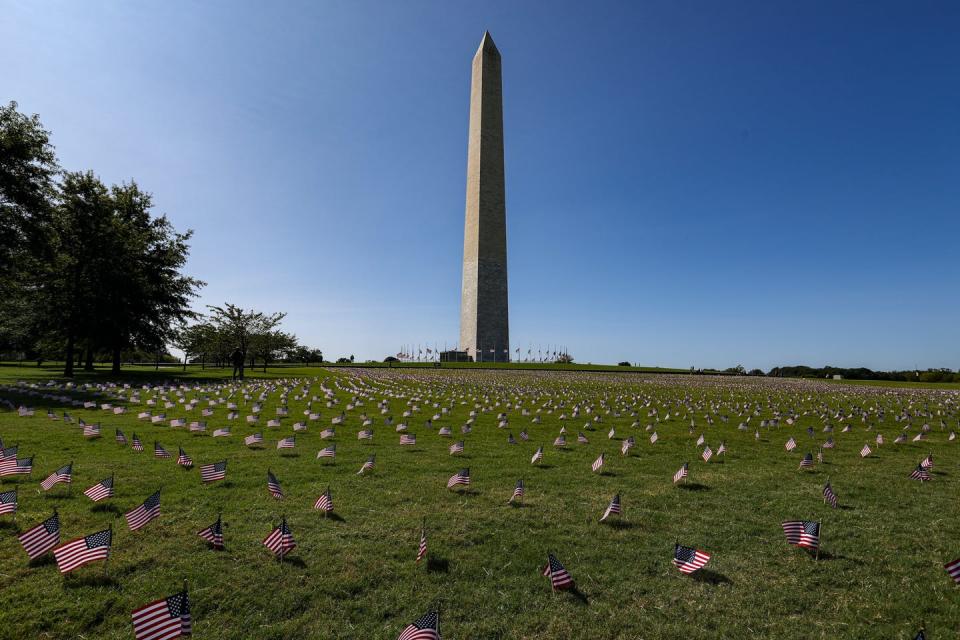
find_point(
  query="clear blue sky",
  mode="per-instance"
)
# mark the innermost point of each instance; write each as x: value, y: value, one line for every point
x: 688, y: 183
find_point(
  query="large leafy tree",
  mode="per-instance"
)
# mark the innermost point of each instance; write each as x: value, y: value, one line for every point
x: 241, y: 327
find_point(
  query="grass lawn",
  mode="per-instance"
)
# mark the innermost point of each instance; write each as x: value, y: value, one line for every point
x: 880, y: 572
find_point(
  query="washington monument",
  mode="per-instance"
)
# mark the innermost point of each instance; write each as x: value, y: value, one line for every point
x: 484, y: 324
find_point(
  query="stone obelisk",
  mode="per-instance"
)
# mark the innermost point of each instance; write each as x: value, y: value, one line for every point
x: 484, y: 326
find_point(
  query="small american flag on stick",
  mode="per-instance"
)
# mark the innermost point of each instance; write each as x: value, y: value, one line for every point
x: 829, y: 496
x: 41, y: 538
x: 273, y: 486
x: 688, y: 559
x: 100, y: 491
x: 426, y: 627
x: 8, y: 501
x: 614, y: 509
x: 597, y: 464
x: 559, y: 578
x: 213, y: 472
x: 213, y: 534
x: 324, y: 502
x: 81, y: 551
x: 280, y: 541
x: 422, y: 549
x: 461, y: 477
x: 802, y: 533
x: 164, y: 619
x: 681, y: 473
x: 143, y: 514
x: 517, y: 491
x: 64, y: 474
x: 367, y: 466
x: 328, y: 452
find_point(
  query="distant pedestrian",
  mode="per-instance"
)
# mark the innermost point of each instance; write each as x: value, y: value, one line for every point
x: 237, y: 359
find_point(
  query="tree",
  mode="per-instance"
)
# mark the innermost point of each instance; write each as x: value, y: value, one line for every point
x: 196, y: 340
x: 239, y: 326
x: 623, y: 364
x: 272, y: 345
x: 564, y: 358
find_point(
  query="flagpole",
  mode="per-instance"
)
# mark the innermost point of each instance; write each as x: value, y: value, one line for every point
x: 820, y: 535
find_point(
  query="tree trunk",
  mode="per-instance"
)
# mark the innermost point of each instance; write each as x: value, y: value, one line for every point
x: 116, y: 361
x: 88, y: 365
x: 68, y: 367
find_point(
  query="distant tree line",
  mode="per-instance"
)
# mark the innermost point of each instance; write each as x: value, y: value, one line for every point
x: 862, y: 373
x: 85, y: 269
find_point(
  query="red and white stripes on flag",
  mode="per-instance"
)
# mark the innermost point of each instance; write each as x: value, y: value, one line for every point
x: 422, y: 549
x: 213, y: 472
x: 100, y: 491
x: 426, y: 627
x: 252, y: 439
x: 537, y: 456
x: 287, y: 443
x: 953, y: 568
x: 614, y: 509
x: 8, y: 501
x: 183, y: 459
x: 164, y: 619
x: 143, y: 514
x: 865, y: 451
x: 517, y: 491
x: 367, y: 466
x: 41, y: 538
x: 324, y: 502
x: 681, y: 473
x: 280, y: 541
x: 273, y: 486
x: 559, y: 578
x: 64, y: 474
x: 213, y: 534
x: 461, y: 477
x: 328, y: 452
x: 81, y: 551
x: 688, y: 559
x: 597, y: 464
x: 802, y: 533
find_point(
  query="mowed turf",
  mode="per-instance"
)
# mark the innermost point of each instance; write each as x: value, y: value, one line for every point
x: 880, y: 572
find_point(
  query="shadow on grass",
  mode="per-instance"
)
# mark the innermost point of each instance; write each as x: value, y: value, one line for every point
x: 579, y: 596
x: 711, y: 577
x: 42, y: 561
x: 826, y: 555
x: 607, y: 474
x: 845, y: 507
x: 467, y: 492
x: 295, y: 561
x: 72, y: 581
x: 8, y: 524
x: 289, y: 455
x: 619, y: 524
x: 336, y: 517
x: 106, y: 508
x: 543, y: 466
x: 437, y: 565
x: 694, y: 486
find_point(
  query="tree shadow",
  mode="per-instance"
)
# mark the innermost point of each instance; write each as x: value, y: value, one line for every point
x: 42, y: 561
x: 437, y: 565
x: 710, y: 577
x: 694, y: 486
x: 8, y: 524
x: 105, y: 508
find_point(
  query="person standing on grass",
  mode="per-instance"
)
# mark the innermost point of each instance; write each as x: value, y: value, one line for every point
x: 237, y: 359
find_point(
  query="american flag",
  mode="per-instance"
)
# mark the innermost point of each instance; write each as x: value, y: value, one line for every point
x: 953, y: 568
x: 611, y: 434
x: 64, y: 474
x: 9, y: 452
x: 807, y: 461
x: 560, y: 441
x: 900, y: 438
x: 213, y: 534
x: 120, y: 438
x: 802, y: 533
x: 365, y: 434
x: 456, y: 447
x: 327, y: 433
x: 517, y: 491
x: 328, y: 452
x: 681, y: 473
x: 444, y: 431
x: 100, y: 491
x: 8, y: 501
x: 164, y: 619
x: 707, y: 454
x: 461, y: 477
x: 408, y: 439
x: 137, y: 445
x: 688, y: 559
x: 920, y: 474
x: 255, y: 438
x: 511, y: 439
x: 16, y: 466
x: 829, y: 496
x: 367, y: 466
x: 524, y: 436
x: 582, y: 439
x: 700, y: 440
x: 829, y: 444
x: 422, y: 549
x: 927, y: 463
x: 287, y: 443
x: 324, y: 502
x: 820, y: 456
x: 628, y: 444
x: 537, y: 456
x: 219, y: 433
x: 654, y: 437
x: 214, y: 471
x: 597, y: 464
x: 865, y: 451
x: 81, y: 551
x: 273, y: 486
x: 183, y: 459
x: 613, y: 509
x: 721, y: 449
x: 879, y: 439
x: 41, y: 538
x: 280, y: 540
x: 791, y: 444
x: 198, y: 426
x: 559, y: 578
x: 91, y: 430
x: 159, y: 451
x: 426, y: 627
x: 146, y: 512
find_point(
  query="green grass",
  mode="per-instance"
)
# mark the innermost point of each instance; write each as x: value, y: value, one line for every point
x: 879, y: 575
